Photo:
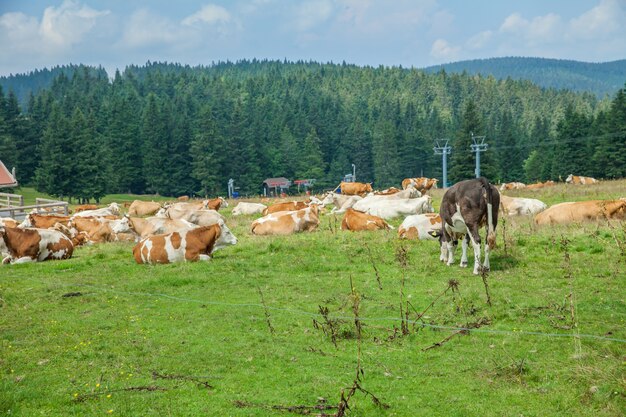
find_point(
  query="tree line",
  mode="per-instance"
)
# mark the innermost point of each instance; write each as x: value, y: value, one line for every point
x: 174, y: 130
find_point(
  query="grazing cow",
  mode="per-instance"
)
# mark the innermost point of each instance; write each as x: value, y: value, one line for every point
x: 199, y: 217
x: 421, y: 184
x: 287, y: 206
x: 571, y: 212
x: 112, y: 210
x: 465, y: 208
x: 244, y: 208
x: 388, y: 208
x: 358, y: 221
x: 539, y: 185
x: 184, y: 246
x: 340, y: 202
x: 158, y: 225
x: 216, y: 203
x: 143, y: 208
x: 84, y: 207
x: 425, y: 226
x: 517, y: 206
x: 355, y: 188
x: 575, y: 179
x: 287, y: 222
x: 8, y: 222
x: 42, y: 221
x: 34, y: 245
x: 512, y: 186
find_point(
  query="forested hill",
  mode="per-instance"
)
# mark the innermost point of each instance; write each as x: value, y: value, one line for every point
x: 598, y: 78
x: 173, y: 130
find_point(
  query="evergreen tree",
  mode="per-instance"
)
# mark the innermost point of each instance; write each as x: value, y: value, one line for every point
x: 462, y: 163
x: 385, y: 155
x: 572, y: 145
x: 54, y: 174
x: 207, y: 150
x: 311, y: 165
x: 155, y: 137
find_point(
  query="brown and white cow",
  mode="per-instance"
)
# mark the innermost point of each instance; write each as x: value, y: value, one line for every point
x: 149, y: 226
x: 42, y: 221
x: 571, y: 212
x: 84, y: 207
x: 577, y: 179
x: 425, y: 226
x: 539, y: 185
x: 355, y: 188
x: 99, y: 229
x: 216, y: 203
x: 340, y: 202
x: 143, y: 208
x: 112, y: 209
x: 359, y: 221
x: 518, y: 206
x: 465, y: 208
x: 512, y: 186
x: 8, y: 222
x: 34, y: 245
x: 184, y: 246
x: 286, y: 206
x: 287, y: 222
x: 199, y: 217
x: 388, y: 191
x: 421, y: 184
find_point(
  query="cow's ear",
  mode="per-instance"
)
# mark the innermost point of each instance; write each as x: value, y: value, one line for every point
x: 435, y: 233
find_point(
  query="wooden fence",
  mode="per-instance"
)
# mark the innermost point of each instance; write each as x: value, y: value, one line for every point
x: 12, y: 205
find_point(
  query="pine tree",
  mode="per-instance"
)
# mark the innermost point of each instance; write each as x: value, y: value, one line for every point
x: 207, y: 150
x: 311, y: 165
x: 462, y: 164
x: 155, y: 137
x: 53, y: 176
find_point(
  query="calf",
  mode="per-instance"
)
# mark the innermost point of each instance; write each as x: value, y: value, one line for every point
x: 184, y: 246
x: 425, y: 226
x: 34, y: 245
x: 358, y: 221
x: 287, y: 222
x: 465, y: 208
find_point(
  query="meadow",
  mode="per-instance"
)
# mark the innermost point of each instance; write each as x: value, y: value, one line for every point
x: 326, y: 323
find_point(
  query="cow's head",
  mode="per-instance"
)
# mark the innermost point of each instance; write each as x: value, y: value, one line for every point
x: 569, y: 178
x: 226, y: 237
x: 115, y: 208
x: 224, y: 202
x: 368, y: 187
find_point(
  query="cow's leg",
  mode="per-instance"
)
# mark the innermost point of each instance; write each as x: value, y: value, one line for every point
x: 443, y: 255
x: 464, y: 244
x: 486, y: 262
x: 450, y: 247
x: 23, y: 260
x: 475, y: 239
x: 204, y: 257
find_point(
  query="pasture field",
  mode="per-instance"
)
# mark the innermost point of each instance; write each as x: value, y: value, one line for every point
x: 268, y: 326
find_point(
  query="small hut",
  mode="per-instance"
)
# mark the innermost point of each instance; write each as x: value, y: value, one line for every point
x: 7, y: 179
x: 275, y: 186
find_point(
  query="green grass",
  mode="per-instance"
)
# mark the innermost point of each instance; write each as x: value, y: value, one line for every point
x: 205, y: 323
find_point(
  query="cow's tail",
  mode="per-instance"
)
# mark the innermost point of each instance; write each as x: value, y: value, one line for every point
x: 491, y: 230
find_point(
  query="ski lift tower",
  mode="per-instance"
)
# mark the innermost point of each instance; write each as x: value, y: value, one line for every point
x: 350, y: 177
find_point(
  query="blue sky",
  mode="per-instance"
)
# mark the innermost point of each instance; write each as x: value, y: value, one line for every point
x: 412, y: 33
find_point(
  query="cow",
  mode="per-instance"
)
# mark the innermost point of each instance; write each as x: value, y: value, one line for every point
x: 34, y: 245
x: 287, y: 222
x: 357, y: 221
x: 409, y: 192
x: 340, y: 201
x: 216, y: 203
x: 287, y: 206
x: 539, y: 185
x: 355, y: 188
x: 387, y: 191
x: 425, y: 226
x: 113, y: 209
x: 77, y: 238
x: 421, y: 184
x: 571, y: 212
x: 244, y: 208
x: 199, y: 217
x: 512, y: 186
x: 184, y: 246
x: 183, y: 198
x: 84, y: 207
x: 465, y: 208
x: 575, y: 179
x: 42, y: 221
x: 388, y: 208
x: 143, y: 208
x: 8, y: 222
x: 518, y: 206
x: 149, y: 226
x: 100, y: 229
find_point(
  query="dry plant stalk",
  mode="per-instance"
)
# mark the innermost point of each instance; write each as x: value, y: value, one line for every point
x: 569, y: 276
x: 369, y: 252
x: 267, y: 313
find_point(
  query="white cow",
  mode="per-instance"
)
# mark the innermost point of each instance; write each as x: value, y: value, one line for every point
x: 244, y: 208
x: 112, y: 210
x: 341, y: 202
x: 199, y: 217
x: 517, y: 206
x: 388, y: 209
x: 421, y: 226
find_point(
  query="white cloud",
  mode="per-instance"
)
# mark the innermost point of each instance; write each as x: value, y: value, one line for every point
x: 145, y: 28
x: 442, y: 50
x: 604, y: 19
x: 479, y: 40
x: 311, y: 14
x: 514, y: 23
x: 209, y: 14
x: 68, y: 24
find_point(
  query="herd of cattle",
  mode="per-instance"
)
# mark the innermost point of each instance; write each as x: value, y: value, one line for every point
x: 192, y: 230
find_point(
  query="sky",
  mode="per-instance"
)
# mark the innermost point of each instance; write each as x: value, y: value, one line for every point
x: 410, y: 33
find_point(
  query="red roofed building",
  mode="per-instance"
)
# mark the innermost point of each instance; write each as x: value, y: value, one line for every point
x: 7, y: 179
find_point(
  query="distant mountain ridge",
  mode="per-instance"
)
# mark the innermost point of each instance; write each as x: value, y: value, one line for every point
x: 597, y: 78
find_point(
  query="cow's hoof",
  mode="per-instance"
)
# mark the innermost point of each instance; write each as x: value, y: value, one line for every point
x: 463, y: 264
x: 450, y: 263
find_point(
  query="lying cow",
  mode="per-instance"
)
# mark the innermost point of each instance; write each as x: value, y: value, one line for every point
x: 570, y: 212
x: 389, y: 208
x: 84, y: 207
x: 355, y: 188
x: 425, y: 226
x: 113, y: 209
x: 287, y: 222
x: 388, y: 191
x: 421, y: 184
x: 216, y: 203
x: 340, y: 202
x: 158, y: 225
x: 143, y: 208
x: 244, y: 208
x: 199, y: 217
x: 358, y: 221
x: 512, y: 186
x: 539, y: 185
x: 8, y: 222
x: 518, y: 206
x: 43, y: 221
x: 286, y: 206
x: 576, y: 179
x: 184, y: 246
x: 465, y: 208
x: 34, y: 245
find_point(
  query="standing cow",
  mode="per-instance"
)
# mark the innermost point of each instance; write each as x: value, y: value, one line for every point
x: 465, y: 208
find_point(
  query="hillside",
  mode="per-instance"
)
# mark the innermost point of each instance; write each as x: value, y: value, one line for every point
x: 599, y: 78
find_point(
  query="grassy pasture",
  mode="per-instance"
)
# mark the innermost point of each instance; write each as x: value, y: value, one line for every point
x: 100, y: 335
